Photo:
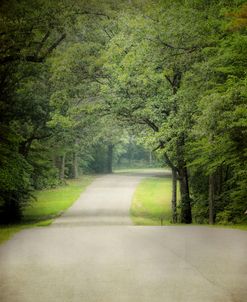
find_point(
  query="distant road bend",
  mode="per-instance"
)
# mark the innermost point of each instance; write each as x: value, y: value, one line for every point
x: 93, y: 253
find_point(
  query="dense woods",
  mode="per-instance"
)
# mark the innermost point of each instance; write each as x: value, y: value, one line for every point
x: 84, y: 82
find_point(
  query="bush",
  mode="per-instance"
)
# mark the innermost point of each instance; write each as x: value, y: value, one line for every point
x: 15, y: 185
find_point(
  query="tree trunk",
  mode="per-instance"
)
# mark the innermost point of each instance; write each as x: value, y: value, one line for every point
x: 25, y: 146
x: 174, y: 195
x: 75, y: 165
x: 150, y: 158
x: 211, y: 194
x: 174, y: 188
x: 186, y: 216
x: 109, y: 158
x: 62, y: 166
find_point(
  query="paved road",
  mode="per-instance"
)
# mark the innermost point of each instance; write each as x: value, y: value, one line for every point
x: 94, y: 254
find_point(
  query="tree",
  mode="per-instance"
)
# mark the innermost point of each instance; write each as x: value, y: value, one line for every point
x: 145, y: 74
x: 29, y: 35
x: 73, y: 75
x: 219, y: 132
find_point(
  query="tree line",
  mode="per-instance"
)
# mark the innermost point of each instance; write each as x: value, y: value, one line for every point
x: 77, y: 77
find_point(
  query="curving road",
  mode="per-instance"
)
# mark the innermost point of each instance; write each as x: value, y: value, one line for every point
x: 93, y: 253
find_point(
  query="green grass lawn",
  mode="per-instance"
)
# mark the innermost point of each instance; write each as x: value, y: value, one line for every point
x: 48, y: 205
x: 151, y: 204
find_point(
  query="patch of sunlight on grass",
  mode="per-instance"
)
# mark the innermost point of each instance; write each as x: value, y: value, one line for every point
x: 151, y: 204
x: 48, y: 205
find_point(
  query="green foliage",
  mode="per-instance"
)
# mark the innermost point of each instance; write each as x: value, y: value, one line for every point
x: 78, y: 79
x: 218, y: 138
x: 15, y: 181
x: 27, y: 39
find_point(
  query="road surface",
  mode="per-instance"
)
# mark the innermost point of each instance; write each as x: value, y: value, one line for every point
x: 93, y: 253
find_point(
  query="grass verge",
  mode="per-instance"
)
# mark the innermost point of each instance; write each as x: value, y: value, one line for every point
x: 48, y: 205
x: 151, y: 202
x: 140, y: 170
x: 151, y: 205
x: 242, y: 227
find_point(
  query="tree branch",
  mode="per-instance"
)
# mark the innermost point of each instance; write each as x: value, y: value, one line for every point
x: 33, y: 58
x: 54, y: 45
x: 41, y: 44
x: 85, y: 12
x: 151, y: 124
x: 169, y: 162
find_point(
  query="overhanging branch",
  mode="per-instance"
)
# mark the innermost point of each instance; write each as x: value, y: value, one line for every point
x: 33, y: 58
